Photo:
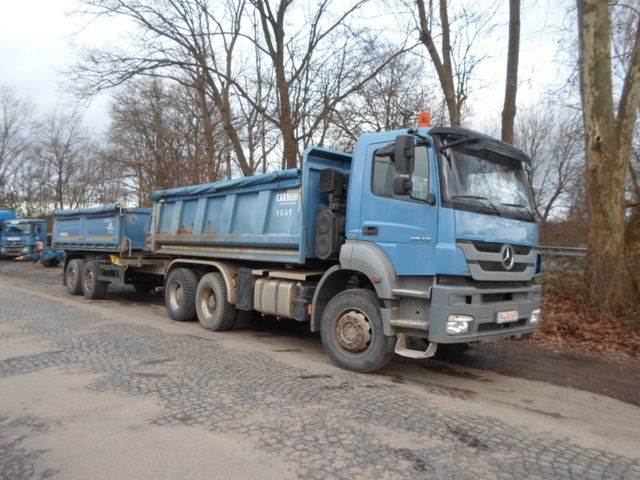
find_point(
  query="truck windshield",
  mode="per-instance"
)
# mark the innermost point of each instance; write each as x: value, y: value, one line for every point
x: 478, y: 181
x: 20, y: 229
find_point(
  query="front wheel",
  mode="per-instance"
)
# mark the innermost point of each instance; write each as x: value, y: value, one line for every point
x: 352, y: 333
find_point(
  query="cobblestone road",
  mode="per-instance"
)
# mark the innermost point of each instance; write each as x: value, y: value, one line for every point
x: 334, y: 425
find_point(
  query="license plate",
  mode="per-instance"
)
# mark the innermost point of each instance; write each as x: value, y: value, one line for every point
x: 508, y: 316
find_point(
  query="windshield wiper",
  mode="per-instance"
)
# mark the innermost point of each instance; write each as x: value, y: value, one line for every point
x: 460, y: 141
x: 476, y: 197
x: 523, y: 207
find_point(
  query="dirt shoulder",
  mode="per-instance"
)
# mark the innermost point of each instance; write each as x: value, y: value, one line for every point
x: 532, y: 362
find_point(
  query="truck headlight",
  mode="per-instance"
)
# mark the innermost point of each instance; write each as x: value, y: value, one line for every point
x: 458, y: 324
x: 26, y: 249
x: 535, y: 317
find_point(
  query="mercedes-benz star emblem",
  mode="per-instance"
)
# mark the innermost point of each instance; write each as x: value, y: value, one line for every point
x: 508, y: 256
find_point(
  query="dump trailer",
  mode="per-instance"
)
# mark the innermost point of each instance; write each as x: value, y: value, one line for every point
x: 94, y: 239
x: 418, y: 239
x: 22, y: 237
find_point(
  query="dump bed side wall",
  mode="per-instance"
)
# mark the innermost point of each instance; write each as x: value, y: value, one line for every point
x: 268, y: 220
x: 103, y: 230
x: 260, y: 222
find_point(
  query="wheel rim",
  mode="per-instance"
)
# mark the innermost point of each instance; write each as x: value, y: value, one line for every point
x: 88, y: 280
x: 175, y: 295
x: 209, y: 302
x: 353, y: 331
x: 71, y: 277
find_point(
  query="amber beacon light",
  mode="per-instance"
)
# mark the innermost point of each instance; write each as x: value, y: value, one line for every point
x: 424, y: 119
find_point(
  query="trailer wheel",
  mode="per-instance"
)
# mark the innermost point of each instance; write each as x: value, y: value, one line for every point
x: 180, y: 294
x: 73, y: 276
x: 351, y: 332
x: 92, y: 288
x: 214, y: 312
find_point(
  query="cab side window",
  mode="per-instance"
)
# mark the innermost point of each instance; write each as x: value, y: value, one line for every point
x: 384, y: 171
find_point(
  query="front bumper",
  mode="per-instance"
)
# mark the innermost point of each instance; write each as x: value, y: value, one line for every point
x: 11, y: 252
x: 458, y: 296
x: 483, y: 304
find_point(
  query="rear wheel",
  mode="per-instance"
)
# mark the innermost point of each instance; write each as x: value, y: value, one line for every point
x: 93, y: 288
x: 73, y: 276
x: 214, y: 312
x: 180, y: 294
x: 352, y: 334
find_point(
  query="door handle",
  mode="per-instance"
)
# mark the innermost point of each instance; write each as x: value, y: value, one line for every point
x: 371, y: 230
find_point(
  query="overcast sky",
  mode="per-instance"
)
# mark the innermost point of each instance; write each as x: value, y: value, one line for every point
x: 36, y: 39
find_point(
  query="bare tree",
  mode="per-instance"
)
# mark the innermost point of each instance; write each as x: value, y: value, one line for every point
x: 62, y: 155
x: 316, y: 65
x: 608, y: 134
x: 388, y: 102
x: 191, y: 42
x: 16, y: 138
x: 158, y: 140
x: 511, y: 86
x: 553, y: 139
x: 458, y: 57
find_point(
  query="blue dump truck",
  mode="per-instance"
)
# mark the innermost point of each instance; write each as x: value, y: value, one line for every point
x: 4, y: 216
x: 21, y: 237
x: 420, y: 238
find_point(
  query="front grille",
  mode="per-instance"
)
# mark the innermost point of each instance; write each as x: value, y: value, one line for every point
x: 14, y: 243
x: 498, y: 267
x: 485, y: 261
x: 492, y: 247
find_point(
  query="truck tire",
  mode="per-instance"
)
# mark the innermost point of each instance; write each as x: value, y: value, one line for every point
x: 92, y: 288
x: 180, y: 294
x: 214, y: 312
x: 73, y: 276
x: 352, y: 334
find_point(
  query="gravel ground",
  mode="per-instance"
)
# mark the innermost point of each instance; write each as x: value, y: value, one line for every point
x: 286, y: 410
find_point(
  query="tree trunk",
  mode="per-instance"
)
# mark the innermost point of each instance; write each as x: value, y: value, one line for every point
x: 511, y: 87
x: 443, y: 66
x: 207, y: 122
x: 607, y: 275
x: 289, y: 142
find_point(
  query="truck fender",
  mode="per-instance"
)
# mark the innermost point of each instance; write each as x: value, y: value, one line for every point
x: 331, y: 283
x: 368, y: 258
x: 228, y: 271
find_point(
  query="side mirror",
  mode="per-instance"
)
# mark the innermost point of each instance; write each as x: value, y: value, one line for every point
x: 404, y: 154
x: 402, y: 185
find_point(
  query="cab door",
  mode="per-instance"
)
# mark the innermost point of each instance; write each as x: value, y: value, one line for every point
x: 403, y: 226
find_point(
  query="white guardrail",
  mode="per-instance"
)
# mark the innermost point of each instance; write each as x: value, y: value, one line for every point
x: 550, y: 251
